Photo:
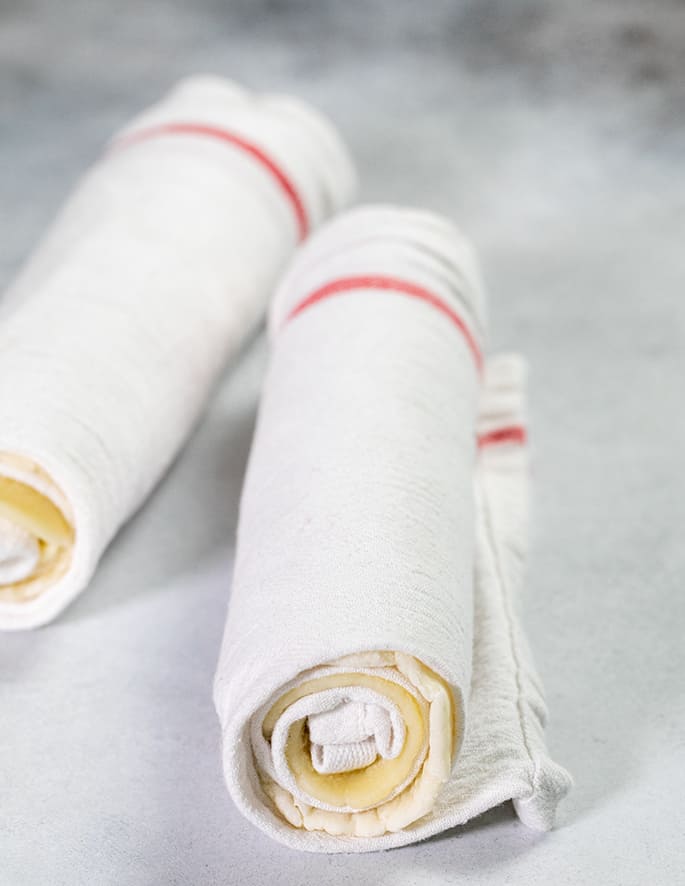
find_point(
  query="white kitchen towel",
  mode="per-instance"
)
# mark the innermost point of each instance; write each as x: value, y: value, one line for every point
x: 374, y: 686
x: 155, y: 273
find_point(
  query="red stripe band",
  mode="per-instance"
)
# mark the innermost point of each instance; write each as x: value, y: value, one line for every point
x: 237, y: 141
x: 513, y: 434
x: 391, y: 284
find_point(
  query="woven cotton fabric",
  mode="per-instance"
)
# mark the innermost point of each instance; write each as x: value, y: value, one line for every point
x: 380, y: 550
x: 155, y: 273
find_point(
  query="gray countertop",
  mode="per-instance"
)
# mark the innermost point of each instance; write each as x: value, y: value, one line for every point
x: 553, y: 133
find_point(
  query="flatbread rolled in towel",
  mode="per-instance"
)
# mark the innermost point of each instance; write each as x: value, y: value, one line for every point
x: 374, y: 686
x: 155, y: 273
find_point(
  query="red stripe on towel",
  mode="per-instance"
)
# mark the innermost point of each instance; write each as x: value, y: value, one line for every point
x: 391, y: 284
x: 513, y: 434
x: 237, y: 141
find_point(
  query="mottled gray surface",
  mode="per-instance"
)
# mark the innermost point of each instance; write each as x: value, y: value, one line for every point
x: 554, y: 133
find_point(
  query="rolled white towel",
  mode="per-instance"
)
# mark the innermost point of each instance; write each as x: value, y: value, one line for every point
x: 155, y: 273
x: 362, y: 707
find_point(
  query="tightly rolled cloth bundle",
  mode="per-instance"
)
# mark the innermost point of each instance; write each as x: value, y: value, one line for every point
x: 374, y: 686
x: 155, y: 273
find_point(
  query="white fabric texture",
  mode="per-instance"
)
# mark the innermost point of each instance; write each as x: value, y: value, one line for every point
x: 19, y: 552
x: 363, y: 550
x: 351, y: 735
x: 152, y: 277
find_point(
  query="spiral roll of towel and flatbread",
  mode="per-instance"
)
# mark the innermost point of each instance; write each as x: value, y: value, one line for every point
x: 155, y: 273
x: 374, y: 686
